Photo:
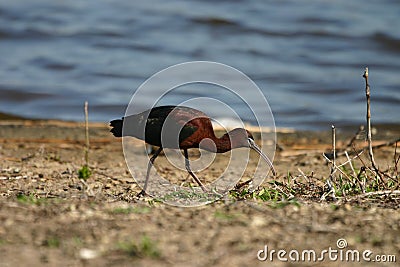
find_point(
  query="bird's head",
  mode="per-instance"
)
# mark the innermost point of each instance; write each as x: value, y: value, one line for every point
x: 240, y: 137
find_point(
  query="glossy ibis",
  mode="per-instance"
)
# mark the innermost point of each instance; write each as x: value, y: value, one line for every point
x: 186, y: 128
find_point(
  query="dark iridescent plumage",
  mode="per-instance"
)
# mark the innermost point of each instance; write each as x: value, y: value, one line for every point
x: 162, y: 125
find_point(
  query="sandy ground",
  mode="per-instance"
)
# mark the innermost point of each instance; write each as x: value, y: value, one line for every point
x: 50, y: 217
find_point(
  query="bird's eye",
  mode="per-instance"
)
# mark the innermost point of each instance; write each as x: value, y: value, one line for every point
x: 250, y: 136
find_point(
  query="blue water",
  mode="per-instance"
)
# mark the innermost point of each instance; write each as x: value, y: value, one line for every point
x: 307, y: 57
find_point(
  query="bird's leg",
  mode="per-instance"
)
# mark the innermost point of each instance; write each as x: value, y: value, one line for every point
x: 240, y: 185
x: 151, y: 162
x: 187, y: 165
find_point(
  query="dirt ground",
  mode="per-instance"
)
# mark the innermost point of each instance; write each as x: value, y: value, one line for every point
x: 50, y: 217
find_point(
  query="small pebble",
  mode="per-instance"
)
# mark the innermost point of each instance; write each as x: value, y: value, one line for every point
x: 258, y: 221
x: 88, y: 254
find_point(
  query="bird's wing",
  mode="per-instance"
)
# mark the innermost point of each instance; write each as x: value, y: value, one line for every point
x: 190, y: 120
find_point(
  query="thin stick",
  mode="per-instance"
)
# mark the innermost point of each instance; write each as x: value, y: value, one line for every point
x: 351, y: 165
x: 334, y: 144
x: 354, y: 172
x: 305, y: 176
x: 337, y: 168
x: 331, y: 177
x: 369, y: 133
x: 87, y: 134
x: 331, y: 191
x: 333, y: 168
x: 396, y: 159
x: 362, y: 161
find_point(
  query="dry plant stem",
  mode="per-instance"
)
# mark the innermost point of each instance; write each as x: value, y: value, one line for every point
x: 86, y: 134
x: 333, y: 168
x: 334, y: 144
x: 362, y: 161
x: 395, y: 172
x: 363, y: 183
x: 396, y: 159
x: 337, y: 168
x: 305, y: 176
x: 289, y: 196
x: 329, y: 181
x: 351, y: 165
x: 369, y: 134
x: 331, y: 191
x: 354, y: 172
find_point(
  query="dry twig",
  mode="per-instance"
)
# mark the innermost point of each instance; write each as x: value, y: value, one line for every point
x: 86, y: 134
x: 396, y: 159
x: 369, y: 133
x: 334, y: 145
x: 331, y: 177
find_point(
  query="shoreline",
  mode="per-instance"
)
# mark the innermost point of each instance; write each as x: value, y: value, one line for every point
x: 50, y: 215
x: 346, y: 128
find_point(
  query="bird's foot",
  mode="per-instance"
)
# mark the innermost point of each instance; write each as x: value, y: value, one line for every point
x: 142, y: 194
x: 240, y: 185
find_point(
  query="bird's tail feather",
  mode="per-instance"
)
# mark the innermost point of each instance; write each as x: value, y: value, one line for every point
x: 116, y: 127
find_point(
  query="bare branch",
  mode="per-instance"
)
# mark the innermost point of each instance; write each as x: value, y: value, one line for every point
x: 369, y: 133
x: 87, y: 134
x: 334, y: 145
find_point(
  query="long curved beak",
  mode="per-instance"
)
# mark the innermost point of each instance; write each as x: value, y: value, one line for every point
x: 253, y: 146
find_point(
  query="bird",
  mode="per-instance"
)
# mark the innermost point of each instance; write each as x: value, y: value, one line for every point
x: 181, y: 127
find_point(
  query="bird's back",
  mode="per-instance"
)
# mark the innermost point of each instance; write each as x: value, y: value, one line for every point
x: 166, y: 126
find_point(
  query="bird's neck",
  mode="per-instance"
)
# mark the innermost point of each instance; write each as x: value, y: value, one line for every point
x: 216, y: 145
